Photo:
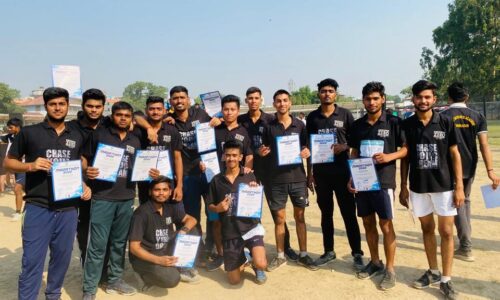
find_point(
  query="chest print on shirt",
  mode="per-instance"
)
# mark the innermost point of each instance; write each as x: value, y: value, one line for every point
x: 195, y: 122
x: 168, y: 220
x: 427, y: 156
x: 338, y: 123
x: 261, y: 129
x: 130, y: 149
x: 383, y: 133
x: 439, y: 135
x: 239, y: 137
x: 167, y: 138
x: 70, y: 143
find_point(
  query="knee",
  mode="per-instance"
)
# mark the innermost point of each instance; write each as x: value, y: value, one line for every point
x: 279, y: 218
x: 233, y: 279
x: 299, y: 216
x: 260, y: 263
x: 386, y: 227
x: 446, y: 232
x: 172, y: 280
x: 428, y: 228
x: 369, y: 223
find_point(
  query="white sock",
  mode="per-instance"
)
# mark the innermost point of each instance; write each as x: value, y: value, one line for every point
x: 281, y: 255
x: 303, y: 253
x: 435, y: 272
x: 445, y: 279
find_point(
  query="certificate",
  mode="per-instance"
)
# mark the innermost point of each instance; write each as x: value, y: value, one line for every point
x: 107, y: 160
x: 368, y: 148
x: 144, y: 161
x: 211, y: 162
x: 67, y: 179
x: 249, y: 201
x: 321, y: 148
x: 212, y: 102
x: 164, y: 165
x: 186, y: 248
x: 67, y: 77
x: 364, y: 176
x: 288, y: 150
x: 491, y: 197
x: 205, y: 137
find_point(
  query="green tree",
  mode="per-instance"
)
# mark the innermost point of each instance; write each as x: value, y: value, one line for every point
x: 467, y: 49
x: 406, y: 92
x: 7, y: 96
x: 137, y: 93
x: 304, y: 96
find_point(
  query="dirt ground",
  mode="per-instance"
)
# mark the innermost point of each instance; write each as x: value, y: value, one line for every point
x: 478, y: 280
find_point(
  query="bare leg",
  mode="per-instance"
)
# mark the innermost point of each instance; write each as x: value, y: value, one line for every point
x: 430, y: 244
x: 445, y: 227
x: 298, y: 213
x: 389, y: 243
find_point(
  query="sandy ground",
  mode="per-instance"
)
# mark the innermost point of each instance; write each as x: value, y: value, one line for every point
x: 478, y: 280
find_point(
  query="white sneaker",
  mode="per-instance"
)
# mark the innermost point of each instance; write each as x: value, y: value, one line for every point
x: 16, y: 217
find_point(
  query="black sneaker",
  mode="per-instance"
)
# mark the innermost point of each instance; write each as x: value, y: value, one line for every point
x: 388, y: 282
x: 325, y: 258
x: 426, y: 280
x: 370, y: 270
x: 120, y: 287
x: 276, y: 263
x: 291, y: 254
x: 448, y: 290
x: 307, y: 262
x: 358, y: 262
x: 215, y: 264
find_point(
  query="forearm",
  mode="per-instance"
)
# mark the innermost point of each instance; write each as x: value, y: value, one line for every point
x: 457, y: 167
x: 404, y: 171
x: 139, y: 252
x: 189, y: 222
x: 142, y: 122
x: 16, y: 166
x: 487, y: 157
x: 249, y: 161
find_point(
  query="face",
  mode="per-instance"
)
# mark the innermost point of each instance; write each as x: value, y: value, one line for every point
x: 13, y: 129
x: 327, y: 94
x: 254, y: 101
x: 93, y: 109
x: 160, y: 192
x: 230, y: 112
x: 232, y: 157
x: 57, y: 109
x: 282, y: 103
x: 155, y: 111
x: 122, y: 118
x: 179, y: 101
x: 373, y: 102
x: 424, y: 101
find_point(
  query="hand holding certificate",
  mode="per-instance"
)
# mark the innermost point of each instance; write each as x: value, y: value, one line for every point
x: 186, y: 247
x: 107, y: 160
x: 491, y: 197
x: 211, y: 162
x: 368, y: 148
x: 67, y: 179
x: 249, y: 201
x: 164, y: 165
x: 288, y: 150
x: 205, y: 137
x: 212, y: 102
x: 146, y: 160
x: 321, y: 148
x: 364, y: 176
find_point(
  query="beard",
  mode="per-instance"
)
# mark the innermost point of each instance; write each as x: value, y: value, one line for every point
x: 423, y: 110
x: 55, y: 120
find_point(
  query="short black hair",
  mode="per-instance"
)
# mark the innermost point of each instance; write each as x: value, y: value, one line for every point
x: 328, y: 82
x: 139, y: 113
x: 160, y: 179
x: 53, y: 93
x: 154, y: 99
x: 252, y: 90
x: 94, y: 94
x: 458, y: 92
x: 15, y: 122
x: 280, y: 92
x: 373, y: 87
x: 233, y: 144
x: 178, y: 89
x: 121, y: 105
x: 230, y: 99
x: 423, y: 85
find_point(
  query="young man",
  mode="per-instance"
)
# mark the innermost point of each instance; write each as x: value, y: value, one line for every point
x: 287, y: 180
x: 47, y: 224
x: 222, y: 198
x: 378, y: 126
x: 435, y: 182
x: 152, y: 235
x: 255, y: 122
x: 112, y: 205
x: 327, y: 119
x: 469, y: 124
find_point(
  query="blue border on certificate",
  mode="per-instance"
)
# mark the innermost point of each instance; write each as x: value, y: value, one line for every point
x: 114, y: 176
x: 76, y: 194
x: 208, y: 148
x: 297, y: 160
x: 312, y: 137
x: 256, y: 215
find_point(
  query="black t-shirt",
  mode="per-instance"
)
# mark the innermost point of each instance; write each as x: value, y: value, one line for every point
x: 431, y: 169
x: 153, y: 230
x: 468, y: 124
x: 187, y: 130
x: 339, y: 123
x: 223, y: 135
x: 123, y: 188
x: 232, y: 226
x: 85, y: 130
x: 387, y: 129
x: 287, y: 173
x: 41, y: 140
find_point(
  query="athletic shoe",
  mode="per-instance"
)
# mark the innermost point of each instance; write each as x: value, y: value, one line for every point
x: 370, y: 270
x: 448, y: 290
x: 120, y: 287
x: 16, y: 217
x: 88, y: 296
x: 388, y: 282
x: 464, y: 255
x: 190, y: 276
x: 142, y: 286
x: 325, y: 258
x: 358, y: 262
x: 215, y: 264
x: 291, y: 254
x: 307, y: 262
x: 276, y: 263
x: 260, y: 276
x: 426, y: 280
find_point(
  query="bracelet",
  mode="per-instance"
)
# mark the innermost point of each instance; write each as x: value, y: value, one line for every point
x: 29, y: 167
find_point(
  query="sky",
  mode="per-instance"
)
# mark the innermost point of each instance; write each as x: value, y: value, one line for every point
x: 218, y: 45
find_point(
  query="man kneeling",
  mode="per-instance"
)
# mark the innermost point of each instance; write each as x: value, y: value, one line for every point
x: 237, y: 232
x: 152, y: 236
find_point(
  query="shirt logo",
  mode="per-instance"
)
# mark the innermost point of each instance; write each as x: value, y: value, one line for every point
x: 70, y: 144
x: 239, y: 137
x: 167, y: 138
x: 261, y: 129
x: 195, y: 122
x: 168, y: 220
x: 130, y: 149
x: 383, y: 133
x: 338, y: 123
x: 439, y: 135
x: 427, y: 156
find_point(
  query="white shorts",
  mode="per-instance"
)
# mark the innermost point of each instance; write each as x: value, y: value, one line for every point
x: 424, y: 204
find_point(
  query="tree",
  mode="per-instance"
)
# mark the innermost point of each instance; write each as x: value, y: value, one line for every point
x: 406, y: 92
x: 137, y: 93
x: 304, y: 95
x: 467, y: 49
x: 7, y: 96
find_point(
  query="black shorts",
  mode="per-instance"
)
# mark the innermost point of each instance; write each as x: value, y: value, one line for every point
x: 379, y: 202
x: 234, y: 255
x: 280, y: 192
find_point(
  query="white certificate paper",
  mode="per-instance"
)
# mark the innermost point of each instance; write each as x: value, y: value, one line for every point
x: 288, y: 149
x: 368, y: 148
x: 491, y: 197
x: 67, y: 179
x: 364, y: 176
x: 144, y: 161
x: 164, y: 165
x: 67, y: 77
x: 211, y: 162
x: 249, y: 201
x: 321, y: 148
x: 205, y: 137
x: 107, y: 160
x: 212, y: 102
x: 186, y: 247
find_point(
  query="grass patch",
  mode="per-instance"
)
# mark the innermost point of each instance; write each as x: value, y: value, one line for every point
x: 494, y: 132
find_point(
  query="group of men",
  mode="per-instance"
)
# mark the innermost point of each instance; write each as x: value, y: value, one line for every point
x: 429, y: 145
